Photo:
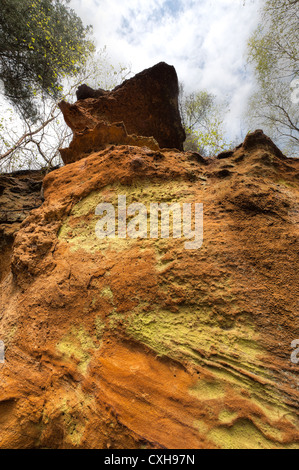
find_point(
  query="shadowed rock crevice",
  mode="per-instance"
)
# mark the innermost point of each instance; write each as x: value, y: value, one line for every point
x: 20, y: 193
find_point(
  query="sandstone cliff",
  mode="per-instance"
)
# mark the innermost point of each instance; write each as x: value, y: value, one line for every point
x: 141, y: 343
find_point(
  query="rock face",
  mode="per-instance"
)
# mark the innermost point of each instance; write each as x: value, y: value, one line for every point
x: 147, y: 104
x: 20, y: 192
x: 140, y: 342
x: 101, y: 135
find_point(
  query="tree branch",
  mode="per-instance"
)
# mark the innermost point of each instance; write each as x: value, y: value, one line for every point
x: 25, y: 136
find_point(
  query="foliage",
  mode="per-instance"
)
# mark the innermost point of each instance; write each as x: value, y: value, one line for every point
x: 36, y: 145
x: 273, y: 49
x: 99, y: 72
x: 41, y: 41
x: 202, y: 118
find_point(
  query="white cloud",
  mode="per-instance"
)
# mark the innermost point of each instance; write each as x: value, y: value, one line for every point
x: 204, y: 39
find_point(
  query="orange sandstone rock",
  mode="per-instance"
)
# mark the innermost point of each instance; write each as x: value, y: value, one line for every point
x: 98, y: 138
x: 140, y: 343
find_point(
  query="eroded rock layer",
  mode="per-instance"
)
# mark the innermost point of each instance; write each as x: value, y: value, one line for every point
x: 98, y: 138
x: 141, y: 343
x: 20, y: 192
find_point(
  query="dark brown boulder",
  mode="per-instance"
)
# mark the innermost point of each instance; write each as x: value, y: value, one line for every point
x: 147, y: 104
x: 84, y: 91
x: 258, y: 140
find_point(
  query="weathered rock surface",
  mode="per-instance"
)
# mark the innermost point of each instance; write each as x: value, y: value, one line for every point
x: 140, y: 343
x: 20, y: 192
x: 98, y: 138
x: 147, y: 104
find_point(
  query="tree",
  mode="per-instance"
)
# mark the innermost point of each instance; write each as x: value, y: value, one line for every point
x: 45, y: 54
x: 202, y: 119
x: 36, y: 145
x: 273, y: 50
x: 41, y: 41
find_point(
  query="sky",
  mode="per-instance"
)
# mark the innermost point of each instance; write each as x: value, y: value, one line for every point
x: 205, y: 40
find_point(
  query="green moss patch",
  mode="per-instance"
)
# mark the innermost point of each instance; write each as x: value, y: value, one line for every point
x: 77, y: 344
x: 79, y: 228
x: 192, y: 334
x: 74, y: 411
x: 242, y: 435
